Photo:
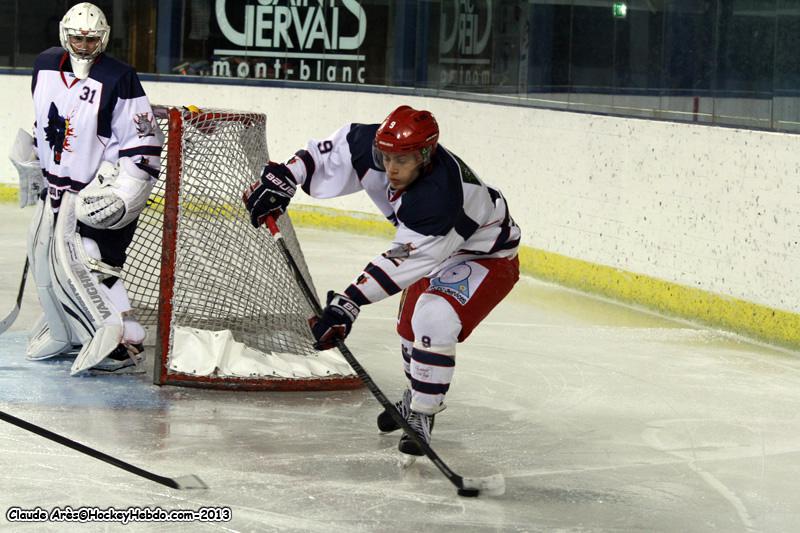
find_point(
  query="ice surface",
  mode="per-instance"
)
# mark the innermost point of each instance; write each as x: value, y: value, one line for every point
x: 600, y: 418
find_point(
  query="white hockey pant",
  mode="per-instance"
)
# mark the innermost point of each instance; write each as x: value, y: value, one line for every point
x: 429, y: 362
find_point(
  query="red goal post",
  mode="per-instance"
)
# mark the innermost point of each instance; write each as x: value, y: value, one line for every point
x: 223, y: 308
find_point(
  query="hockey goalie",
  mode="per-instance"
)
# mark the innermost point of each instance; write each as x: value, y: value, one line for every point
x: 88, y: 169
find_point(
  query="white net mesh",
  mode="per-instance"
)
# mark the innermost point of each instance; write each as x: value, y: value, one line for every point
x: 197, y: 265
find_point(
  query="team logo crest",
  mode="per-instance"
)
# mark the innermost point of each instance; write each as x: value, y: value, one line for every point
x: 58, y: 133
x: 145, y: 125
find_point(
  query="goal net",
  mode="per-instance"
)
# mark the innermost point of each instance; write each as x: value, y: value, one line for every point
x: 224, y: 305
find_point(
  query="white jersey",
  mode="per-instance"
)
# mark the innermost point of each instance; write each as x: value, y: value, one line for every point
x: 446, y: 216
x: 81, y: 123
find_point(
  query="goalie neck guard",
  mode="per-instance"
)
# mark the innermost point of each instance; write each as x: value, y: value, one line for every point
x: 85, y: 21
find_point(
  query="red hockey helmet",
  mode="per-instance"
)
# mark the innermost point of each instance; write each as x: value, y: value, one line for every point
x: 408, y: 130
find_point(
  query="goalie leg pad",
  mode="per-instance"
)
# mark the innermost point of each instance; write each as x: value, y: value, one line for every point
x: 118, y: 296
x: 51, y: 336
x: 42, y: 345
x: 92, y: 315
x: 127, y: 354
x: 87, y: 306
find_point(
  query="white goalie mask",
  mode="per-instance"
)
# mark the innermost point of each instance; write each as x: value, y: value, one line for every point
x: 86, y: 23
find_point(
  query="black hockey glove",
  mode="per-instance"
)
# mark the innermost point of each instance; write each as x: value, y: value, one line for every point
x: 336, y: 321
x: 270, y: 194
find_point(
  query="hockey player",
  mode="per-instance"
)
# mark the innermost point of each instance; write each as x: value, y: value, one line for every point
x: 98, y: 149
x: 454, y: 255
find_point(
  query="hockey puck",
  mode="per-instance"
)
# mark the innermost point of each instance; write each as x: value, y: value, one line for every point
x: 468, y: 493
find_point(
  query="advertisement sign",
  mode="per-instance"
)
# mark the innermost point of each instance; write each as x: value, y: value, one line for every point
x: 465, y: 38
x: 304, y: 40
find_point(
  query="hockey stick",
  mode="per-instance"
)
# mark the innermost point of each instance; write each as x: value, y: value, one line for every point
x: 190, y: 481
x: 467, y: 486
x: 12, y: 316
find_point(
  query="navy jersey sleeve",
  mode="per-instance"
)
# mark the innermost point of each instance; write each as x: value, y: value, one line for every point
x: 360, y: 139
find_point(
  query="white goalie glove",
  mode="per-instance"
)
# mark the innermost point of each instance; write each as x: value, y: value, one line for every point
x: 23, y: 156
x: 115, y: 197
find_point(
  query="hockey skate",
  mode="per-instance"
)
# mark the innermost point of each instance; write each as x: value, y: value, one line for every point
x: 422, y: 424
x: 125, y: 359
x: 386, y: 423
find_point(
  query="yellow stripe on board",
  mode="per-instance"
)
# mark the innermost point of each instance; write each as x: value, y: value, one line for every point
x: 715, y: 310
x: 326, y: 218
x: 9, y: 193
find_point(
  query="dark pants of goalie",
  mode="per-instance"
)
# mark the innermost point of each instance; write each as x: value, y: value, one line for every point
x: 113, y: 243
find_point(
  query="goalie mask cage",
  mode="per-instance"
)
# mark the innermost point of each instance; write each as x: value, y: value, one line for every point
x: 226, y: 309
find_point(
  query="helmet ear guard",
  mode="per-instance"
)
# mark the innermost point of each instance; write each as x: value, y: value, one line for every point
x: 407, y: 130
x: 85, y: 20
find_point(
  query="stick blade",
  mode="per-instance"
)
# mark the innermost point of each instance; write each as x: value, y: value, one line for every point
x: 9, y: 320
x: 490, y: 486
x: 189, y: 482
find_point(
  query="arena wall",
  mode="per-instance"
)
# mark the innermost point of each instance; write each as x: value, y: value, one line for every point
x: 695, y: 221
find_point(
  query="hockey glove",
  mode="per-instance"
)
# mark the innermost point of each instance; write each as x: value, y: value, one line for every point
x: 336, y: 321
x: 270, y: 194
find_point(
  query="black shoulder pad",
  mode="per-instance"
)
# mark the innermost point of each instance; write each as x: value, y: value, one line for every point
x: 434, y: 202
